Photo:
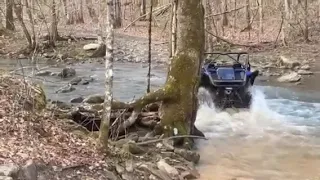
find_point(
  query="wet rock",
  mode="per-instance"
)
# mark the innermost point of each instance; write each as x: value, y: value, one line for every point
x: 165, y: 167
x: 290, y: 77
x: 5, y: 178
x: 75, y: 81
x: 22, y: 56
x: 305, y: 72
x: 67, y: 72
x: 61, y: 105
x: 29, y: 171
x: 9, y: 170
x: 119, y: 169
x: 66, y: 89
x: 111, y: 175
x: 188, y: 155
x: 77, y: 100
x: 94, y: 99
x: 91, y: 46
x: 190, y: 174
x: 134, y: 148
x: 86, y: 81
x: 305, y: 67
x: 129, y: 166
x: 43, y: 73
x: 288, y: 63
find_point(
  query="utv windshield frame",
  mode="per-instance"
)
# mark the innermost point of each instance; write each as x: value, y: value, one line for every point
x: 229, y: 55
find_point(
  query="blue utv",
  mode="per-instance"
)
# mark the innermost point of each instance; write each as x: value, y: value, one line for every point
x: 228, y: 78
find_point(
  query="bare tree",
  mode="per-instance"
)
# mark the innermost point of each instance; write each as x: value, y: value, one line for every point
x: 208, y: 25
x: 54, y: 25
x: 306, y: 23
x: 260, y: 4
x: 225, y: 21
x: 91, y: 10
x: 142, y: 7
x: 9, y: 15
x: 149, y: 53
x: 117, y: 14
x: 105, y: 123
x: 17, y: 6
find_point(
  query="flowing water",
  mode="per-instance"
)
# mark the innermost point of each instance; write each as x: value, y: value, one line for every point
x: 277, y: 139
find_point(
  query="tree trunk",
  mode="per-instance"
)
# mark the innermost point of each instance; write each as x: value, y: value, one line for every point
x: 260, y: 19
x: 208, y: 27
x: 179, y: 94
x: 143, y: 7
x: 248, y: 17
x: 30, y: 15
x: 117, y: 13
x: 54, y: 25
x: 17, y: 6
x: 149, y: 50
x: 91, y: 10
x: 105, y: 123
x: 173, y: 28
x: 9, y: 15
x: 306, y: 24
x: 225, y: 21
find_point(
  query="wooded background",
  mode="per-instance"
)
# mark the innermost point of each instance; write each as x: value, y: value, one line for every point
x: 232, y: 21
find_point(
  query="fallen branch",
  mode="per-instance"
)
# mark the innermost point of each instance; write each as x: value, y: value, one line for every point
x: 168, y: 138
x: 154, y: 11
x: 226, y: 12
x: 233, y: 44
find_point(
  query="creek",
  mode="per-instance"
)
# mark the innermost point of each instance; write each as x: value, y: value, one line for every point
x: 277, y: 138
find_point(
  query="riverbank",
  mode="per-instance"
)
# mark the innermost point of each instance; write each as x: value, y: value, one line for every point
x: 37, y: 143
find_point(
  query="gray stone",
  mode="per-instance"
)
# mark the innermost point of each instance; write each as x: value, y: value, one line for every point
x: 290, y: 77
x: 30, y: 171
x: 111, y: 175
x: 129, y: 166
x: 77, y: 100
x: 288, y: 63
x: 5, y: 178
x: 91, y: 46
x: 119, y: 169
x: 188, y: 155
x: 191, y: 174
x: 305, y: 67
x: 304, y: 72
x: 75, y: 81
x: 9, y: 169
x: 67, y: 72
x: 66, y: 89
x: 165, y: 167
x: 94, y: 99
x: 43, y: 73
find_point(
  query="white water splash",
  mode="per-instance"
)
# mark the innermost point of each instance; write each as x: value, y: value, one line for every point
x: 274, y: 139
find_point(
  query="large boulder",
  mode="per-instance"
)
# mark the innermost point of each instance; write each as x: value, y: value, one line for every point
x: 305, y: 72
x: 290, y: 77
x: 67, y: 72
x: 91, y: 46
x: 94, y: 99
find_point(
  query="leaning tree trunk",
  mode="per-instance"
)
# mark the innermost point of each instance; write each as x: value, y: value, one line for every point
x: 104, y: 127
x: 179, y: 94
